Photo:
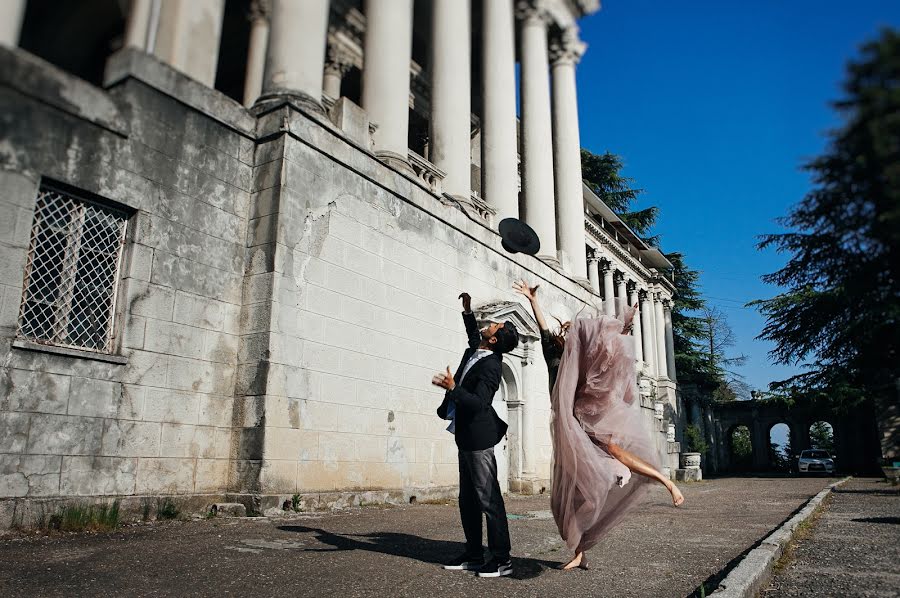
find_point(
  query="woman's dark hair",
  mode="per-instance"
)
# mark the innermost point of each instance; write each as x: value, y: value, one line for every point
x: 558, y: 338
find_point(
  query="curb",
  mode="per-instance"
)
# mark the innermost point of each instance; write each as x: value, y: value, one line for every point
x: 754, y: 571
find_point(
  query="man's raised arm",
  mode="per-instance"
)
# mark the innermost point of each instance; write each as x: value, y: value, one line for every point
x: 469, y: 320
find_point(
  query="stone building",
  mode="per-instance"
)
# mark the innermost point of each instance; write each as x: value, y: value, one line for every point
x: 232, y: 236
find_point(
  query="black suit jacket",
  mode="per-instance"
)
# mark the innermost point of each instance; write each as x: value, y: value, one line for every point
x: 477, y: 424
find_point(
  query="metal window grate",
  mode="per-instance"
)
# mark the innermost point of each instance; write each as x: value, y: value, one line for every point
x: 71, y: 273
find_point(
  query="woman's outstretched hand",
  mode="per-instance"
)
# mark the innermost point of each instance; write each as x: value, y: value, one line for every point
x: 523, y: 289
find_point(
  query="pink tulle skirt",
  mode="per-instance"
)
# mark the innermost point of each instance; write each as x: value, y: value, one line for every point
x: 596, y: 402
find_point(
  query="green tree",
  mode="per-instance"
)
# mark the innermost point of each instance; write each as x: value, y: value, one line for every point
x: 741, y: 445
x: 695, y: 378
x: 821, y: 436
x: 840, y: 311
x: 602, y: 173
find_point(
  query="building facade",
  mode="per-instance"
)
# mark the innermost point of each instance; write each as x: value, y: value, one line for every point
x: 231, y: 274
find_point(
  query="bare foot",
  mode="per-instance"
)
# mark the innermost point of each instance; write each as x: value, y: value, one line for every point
x: 577, y: 562
x: 677, y: 496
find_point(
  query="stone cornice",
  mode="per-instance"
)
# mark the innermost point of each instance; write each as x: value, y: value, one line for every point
x: 598, y: 234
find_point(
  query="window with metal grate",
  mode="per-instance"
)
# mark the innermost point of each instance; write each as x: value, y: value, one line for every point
x: 72, y: 272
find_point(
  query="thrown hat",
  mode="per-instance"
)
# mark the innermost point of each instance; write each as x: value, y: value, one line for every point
x: 518, y: 237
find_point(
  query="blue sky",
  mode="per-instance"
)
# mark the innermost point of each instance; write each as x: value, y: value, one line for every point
x: 714, y: 105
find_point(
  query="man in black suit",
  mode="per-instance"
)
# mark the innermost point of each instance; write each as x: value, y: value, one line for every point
x: 477, y: 427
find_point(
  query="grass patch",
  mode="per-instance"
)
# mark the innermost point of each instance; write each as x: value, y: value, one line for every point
x: 80, y: 518
x: 167, y: 509
x: 801, y: 534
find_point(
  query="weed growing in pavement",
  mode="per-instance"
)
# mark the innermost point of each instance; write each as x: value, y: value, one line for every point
x: 166, y: 509
x: 79, y: 518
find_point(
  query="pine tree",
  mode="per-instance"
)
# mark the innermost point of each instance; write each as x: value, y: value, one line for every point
x: 602, y: 174
x: 840, y: 312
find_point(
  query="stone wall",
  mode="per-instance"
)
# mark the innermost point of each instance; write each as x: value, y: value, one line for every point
x: 158, y: 420
x: 285, y: 299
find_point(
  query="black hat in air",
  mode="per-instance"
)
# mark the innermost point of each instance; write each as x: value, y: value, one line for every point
x: 518, y: 237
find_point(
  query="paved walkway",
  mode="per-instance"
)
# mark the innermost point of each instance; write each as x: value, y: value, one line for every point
x: 852, y: 549
x: 659, y: 551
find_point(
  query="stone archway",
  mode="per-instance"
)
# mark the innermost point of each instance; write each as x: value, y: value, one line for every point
x: 854, y: 434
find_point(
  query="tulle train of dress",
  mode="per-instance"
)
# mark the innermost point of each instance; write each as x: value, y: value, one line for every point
x: 596, y: 401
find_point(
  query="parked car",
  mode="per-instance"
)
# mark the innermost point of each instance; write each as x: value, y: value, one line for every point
x: 815, y: 461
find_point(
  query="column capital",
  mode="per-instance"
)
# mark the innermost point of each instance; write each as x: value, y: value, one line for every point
x: 619, y: 277
x: 566, y: 47
x: 644, y: 295
x: 533, y: 12
x: 260, y: 10
x: 667, y: 304
x: 604, y: 264
x: 338, y: 60
x: 632, y: 286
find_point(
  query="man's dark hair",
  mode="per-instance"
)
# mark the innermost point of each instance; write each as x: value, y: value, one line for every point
x: 507, y: 338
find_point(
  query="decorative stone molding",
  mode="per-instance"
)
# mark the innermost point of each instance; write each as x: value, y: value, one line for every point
x: 604, y: 264
x: 586, y: 7
x: 566, y: 47
x: 533, y: 12
x: 338, y: 59
x: 595, y: 232
x: 427, y: 172
x: 260, y: 10
x: 618, y: 277
x: 511, y: 311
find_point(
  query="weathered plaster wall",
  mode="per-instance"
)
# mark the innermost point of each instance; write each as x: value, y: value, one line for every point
x: 161, y: 422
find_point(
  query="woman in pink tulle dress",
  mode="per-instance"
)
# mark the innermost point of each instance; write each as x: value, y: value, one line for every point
x: 598, y: 436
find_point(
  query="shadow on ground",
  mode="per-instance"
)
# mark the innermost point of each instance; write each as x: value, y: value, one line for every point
x: 409, y: 546
x: 888, y: 520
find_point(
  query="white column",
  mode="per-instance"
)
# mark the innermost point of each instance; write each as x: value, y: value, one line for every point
x: 337, y: 63
x: 659, y: 328
x: 12, y: 12
x: 648, y: 336
x: 188, y: 37
x: 636, y: 328
x: 137, y: 27
x: 450, y: 146
x: 565, y: 51
x: 609, y: 292
x: 296, y: 50
x: 594, y: 274
x: 535, y: 131
x: 621, y: 294
x: 499, y: 146
x: 529, y: 405
x: 670, y: 340
x: 256, y: 50
x: 385, y: 80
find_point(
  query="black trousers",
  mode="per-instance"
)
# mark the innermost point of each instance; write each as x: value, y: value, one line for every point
x: 479, y: 492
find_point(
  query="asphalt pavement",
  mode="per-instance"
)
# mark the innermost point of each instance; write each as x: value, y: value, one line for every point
x: 658, y: 551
